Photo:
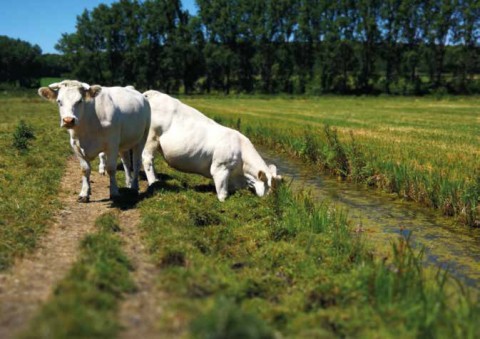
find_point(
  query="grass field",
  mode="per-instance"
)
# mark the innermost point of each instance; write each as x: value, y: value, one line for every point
x: 29, y: 179
x: 424, y: 149
x: 282, y: 264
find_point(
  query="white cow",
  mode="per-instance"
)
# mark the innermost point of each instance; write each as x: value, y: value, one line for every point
x: 191, y: 142
x: 113, y: 120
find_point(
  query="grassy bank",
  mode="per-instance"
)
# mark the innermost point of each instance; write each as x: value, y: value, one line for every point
x: 84, y: 304
x: 424, y: 149
x: 254, y: 268
x: 31, y: 166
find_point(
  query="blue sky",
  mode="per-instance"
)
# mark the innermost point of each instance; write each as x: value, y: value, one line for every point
x: 43, y: 22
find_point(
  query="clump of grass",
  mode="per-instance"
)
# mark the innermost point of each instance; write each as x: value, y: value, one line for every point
x: 204, y: 217
x: 107, y: 222
x: 335, y: 155
x: 22, y: 135
x: 312, y: 147
x: 84, y: 303
x: 425, y: 299
x: 225, y: 319
x: 173, y: 258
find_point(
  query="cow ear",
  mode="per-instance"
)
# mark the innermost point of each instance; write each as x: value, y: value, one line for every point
x: 262, y: 176
x: 92, y: 92
x: 48, y: 93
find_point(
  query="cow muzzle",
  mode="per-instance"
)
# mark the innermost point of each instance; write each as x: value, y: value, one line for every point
x: 68, y: 122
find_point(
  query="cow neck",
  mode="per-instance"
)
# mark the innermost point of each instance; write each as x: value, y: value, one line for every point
x: 89, y: 123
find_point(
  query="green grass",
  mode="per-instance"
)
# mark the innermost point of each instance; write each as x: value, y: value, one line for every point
x: 256, y: 268
x: 84, y: 303
x: 424, y: 149
x: 30, y: 173
x: 282, y: 264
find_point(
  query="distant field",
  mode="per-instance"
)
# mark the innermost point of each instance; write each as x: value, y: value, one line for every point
x: 425, y: 149
x: 48, y: 81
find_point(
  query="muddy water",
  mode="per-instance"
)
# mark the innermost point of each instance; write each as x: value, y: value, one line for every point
x: 383, y: 217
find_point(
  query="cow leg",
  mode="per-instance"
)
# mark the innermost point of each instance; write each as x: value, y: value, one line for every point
x: 136, y: 161
x: 220, y: 176
x: 101, y: 165
x: 111, y: 170
x: 127, y: 166
x: 147, y: 158
x: 84, y: 195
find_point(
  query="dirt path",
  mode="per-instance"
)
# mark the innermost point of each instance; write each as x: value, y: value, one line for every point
x: 31, y: 279
x: 140, y: 311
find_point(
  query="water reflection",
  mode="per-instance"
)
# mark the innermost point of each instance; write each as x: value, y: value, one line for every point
x: 384, y: 216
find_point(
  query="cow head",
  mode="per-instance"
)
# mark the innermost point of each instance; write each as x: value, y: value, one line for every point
x: 268, y: 180
x: 70, y: 95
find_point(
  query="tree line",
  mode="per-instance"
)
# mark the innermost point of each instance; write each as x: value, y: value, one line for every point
x: 280, y: 46
x: 22, y: 64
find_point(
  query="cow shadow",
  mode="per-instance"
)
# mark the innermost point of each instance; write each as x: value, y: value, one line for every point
x: 129, y: 198
x: 205, y: 188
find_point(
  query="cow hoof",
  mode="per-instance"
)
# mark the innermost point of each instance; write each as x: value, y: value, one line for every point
x: 83, y: 199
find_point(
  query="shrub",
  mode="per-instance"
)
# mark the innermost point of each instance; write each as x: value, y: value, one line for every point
x: 22, y: 135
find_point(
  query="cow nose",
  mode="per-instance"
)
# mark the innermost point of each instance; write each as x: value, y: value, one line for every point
x: 68, y: 121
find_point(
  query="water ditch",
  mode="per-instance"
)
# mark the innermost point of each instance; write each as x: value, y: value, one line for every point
x: 382, y: 217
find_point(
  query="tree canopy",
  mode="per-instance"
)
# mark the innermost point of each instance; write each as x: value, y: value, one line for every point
x: 19, y: 61
x: 279, y: 46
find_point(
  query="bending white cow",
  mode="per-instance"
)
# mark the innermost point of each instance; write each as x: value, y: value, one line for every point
x: 102, y: 119
x: 191, y: 142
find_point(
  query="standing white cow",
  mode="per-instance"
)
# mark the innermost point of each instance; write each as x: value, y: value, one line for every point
x: 191, y: 142
x: 113, y: 120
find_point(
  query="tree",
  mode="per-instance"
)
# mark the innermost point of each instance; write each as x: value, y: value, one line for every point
x: 368, y: 34
x: 19, y: 62
x: 440, y: 19
x: 391, y: 26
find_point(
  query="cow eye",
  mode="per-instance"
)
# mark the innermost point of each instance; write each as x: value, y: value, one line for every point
x: 59, y: 103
